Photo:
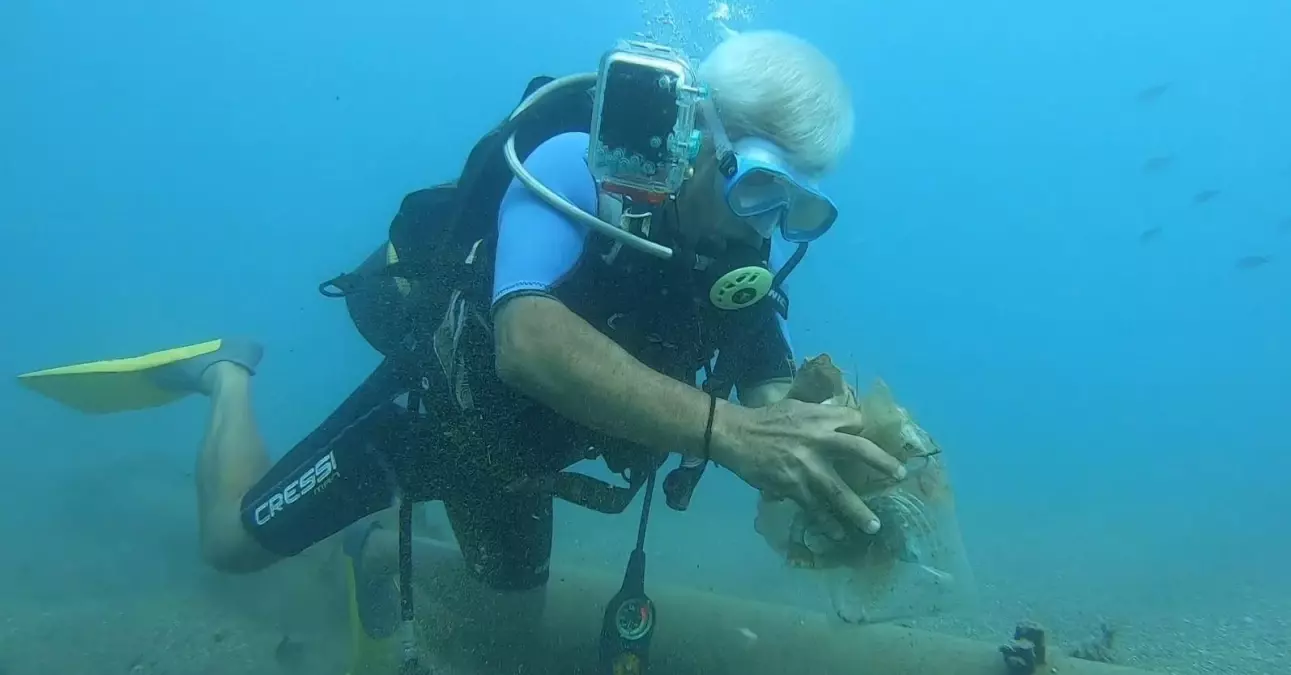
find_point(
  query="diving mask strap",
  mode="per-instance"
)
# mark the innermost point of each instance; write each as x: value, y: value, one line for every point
x: 727, y: 162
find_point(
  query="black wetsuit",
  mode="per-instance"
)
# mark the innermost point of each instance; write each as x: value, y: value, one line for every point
x: 374, y: 447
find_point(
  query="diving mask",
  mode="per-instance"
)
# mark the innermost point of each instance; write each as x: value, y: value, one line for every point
x: 768, y: 193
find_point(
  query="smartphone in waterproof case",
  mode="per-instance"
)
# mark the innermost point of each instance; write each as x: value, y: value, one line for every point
x: 643, y: 122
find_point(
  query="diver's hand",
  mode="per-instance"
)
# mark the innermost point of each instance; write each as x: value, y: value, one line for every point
x: 797, y: 450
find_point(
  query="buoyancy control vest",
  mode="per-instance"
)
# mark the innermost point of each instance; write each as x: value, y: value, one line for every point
x: 422, y: 300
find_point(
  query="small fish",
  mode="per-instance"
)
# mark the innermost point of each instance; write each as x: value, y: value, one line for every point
x: 1154, y: 92
x: 1158, y: 164
x: 748, y: 634
x: 1204, y: 196
x: 1149, y: 235
x: 1251, y: 262
x: 1285, y: 226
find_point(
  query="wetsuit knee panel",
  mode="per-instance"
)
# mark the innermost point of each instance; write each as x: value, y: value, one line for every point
x: 324, y: 483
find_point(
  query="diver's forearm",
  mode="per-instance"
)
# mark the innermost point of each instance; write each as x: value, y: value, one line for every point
x: 583, y: 375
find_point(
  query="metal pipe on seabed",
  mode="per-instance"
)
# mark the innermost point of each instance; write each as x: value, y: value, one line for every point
x: 698, y: 633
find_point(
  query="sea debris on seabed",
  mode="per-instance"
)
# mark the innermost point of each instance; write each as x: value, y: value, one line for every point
x: 1100, y: 648
x: 1028, y: 649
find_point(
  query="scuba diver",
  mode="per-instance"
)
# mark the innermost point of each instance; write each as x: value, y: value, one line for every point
x: 603, y: 278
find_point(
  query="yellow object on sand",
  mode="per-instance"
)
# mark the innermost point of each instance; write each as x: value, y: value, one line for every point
x: 373, y: 609
x: 369, y: 654
x: 115, y: 385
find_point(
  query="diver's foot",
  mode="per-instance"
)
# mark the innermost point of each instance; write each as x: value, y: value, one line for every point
x: 203, y: 374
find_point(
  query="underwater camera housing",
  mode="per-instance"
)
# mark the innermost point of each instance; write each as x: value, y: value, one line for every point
x: 643, y: 136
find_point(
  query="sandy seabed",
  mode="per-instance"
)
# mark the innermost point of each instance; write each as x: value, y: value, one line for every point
x: 1245, y: 633
x: 203, y: 624
x: 83, y: 596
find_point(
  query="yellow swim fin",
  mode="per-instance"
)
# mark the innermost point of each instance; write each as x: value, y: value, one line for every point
x: 373, y: 611
x: 138, y: 382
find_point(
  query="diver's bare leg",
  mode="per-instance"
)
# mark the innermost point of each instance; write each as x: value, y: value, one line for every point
x: 232, y: 458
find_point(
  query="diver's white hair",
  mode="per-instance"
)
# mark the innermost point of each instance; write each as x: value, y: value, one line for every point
x: 779, y: 87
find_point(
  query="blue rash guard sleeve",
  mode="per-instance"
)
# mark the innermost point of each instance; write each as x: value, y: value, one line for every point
x: 539, y: 247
